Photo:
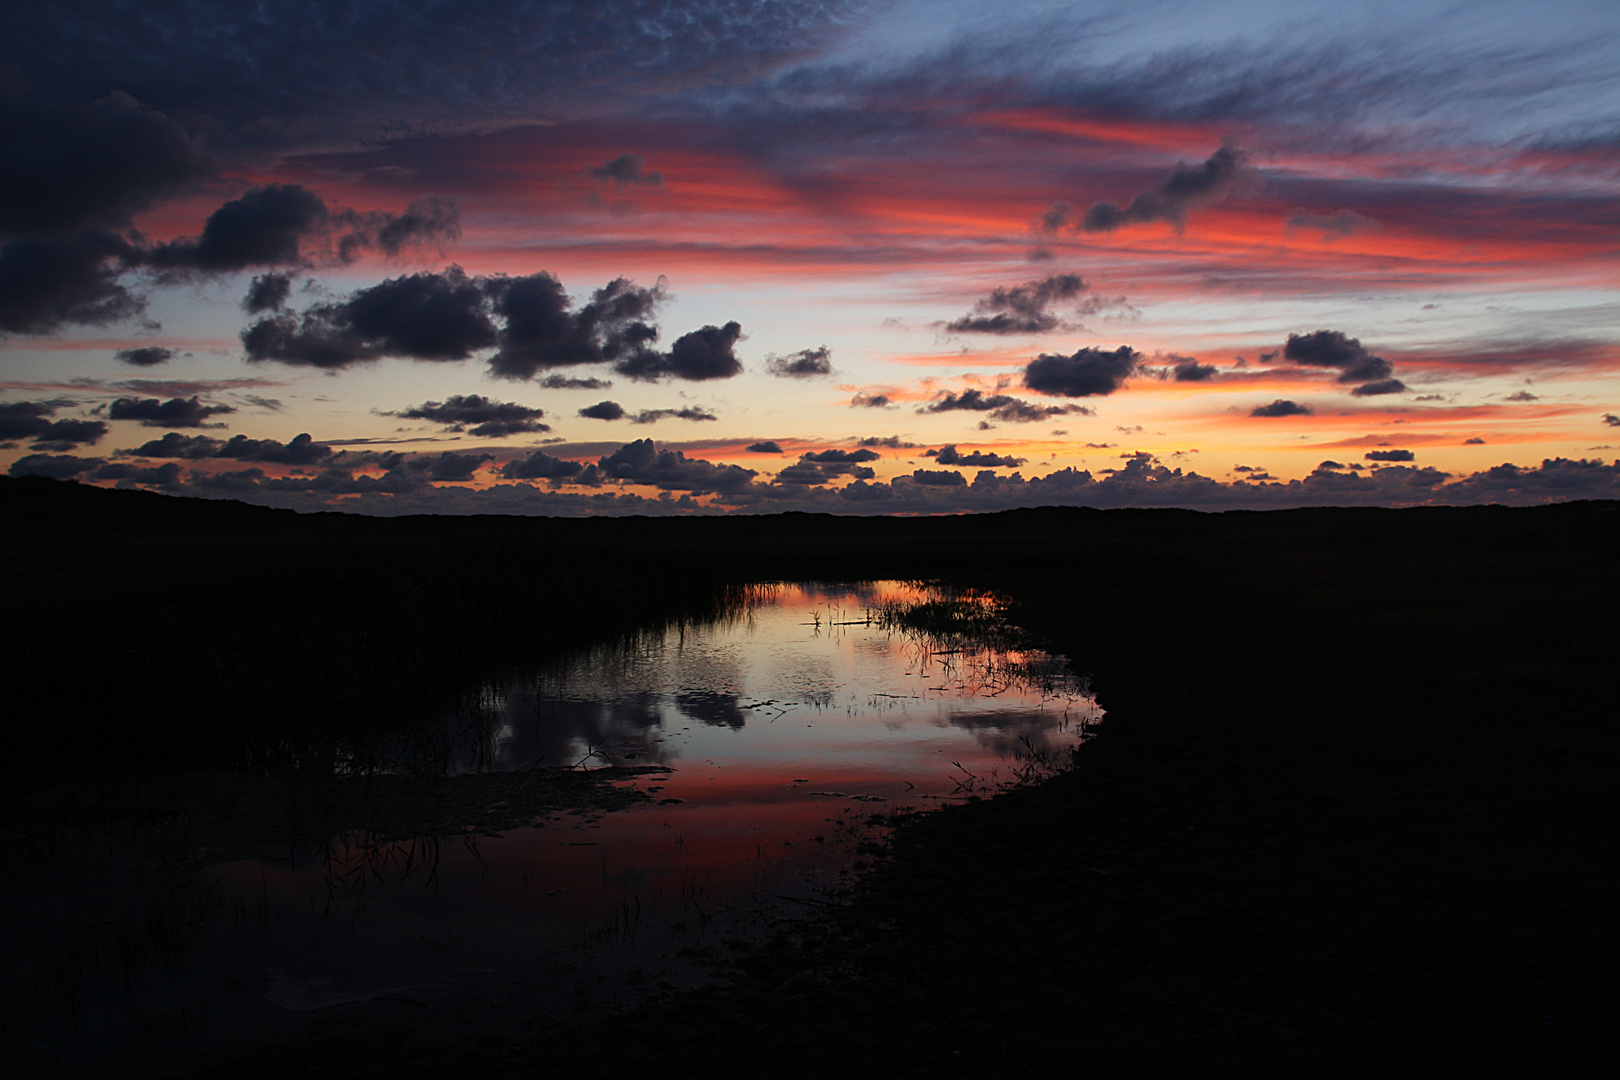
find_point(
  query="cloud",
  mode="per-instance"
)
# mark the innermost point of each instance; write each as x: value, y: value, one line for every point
x: 448, y: 466
x: 148, y: 356
x: 603, y: 410
x: 566, y: 382
x: 1186, y: 186
x: 301, y: 450
x: 1191, y: 370
x: 1333, y: 349
x: 176, y: 412
x: 842, y: 457
x: 893, y: 442
x: 690, y: 412
x: 541, y: 466
x: 1523, y: 395
x: 268, y: 292
x: 707, y: 353
x: 641, y: 462
x: 35, y: 420
x: 53, y: 466
x: 949, y: 455
x: 529, y: 321
x: 1089, y: 372
x: 938, y: 478
x: 1002, y: 407
x: 1389, y: 455
x: 47, y: 283
x: 166, y: 476
x: 427, y: 316
x: 264, y: 227
x: 542, y: 330
x: 1475, y: 441
x: 488, y: 419
x: 1610, y: 419
x: 69, y: 168
x: 1281, y: 407
x: 863, y: 400
x: 1020, y: 309
x: 628, y: 169
x: 276, y: 225
x: 804, y: 364
x: 764, y: 448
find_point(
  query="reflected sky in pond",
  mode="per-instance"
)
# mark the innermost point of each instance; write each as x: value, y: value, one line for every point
x: 778, y: 731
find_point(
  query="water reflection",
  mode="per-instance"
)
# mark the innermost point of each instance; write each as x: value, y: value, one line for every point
x: 771, y: 735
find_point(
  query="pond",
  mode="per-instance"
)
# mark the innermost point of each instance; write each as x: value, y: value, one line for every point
x: 717, y: 779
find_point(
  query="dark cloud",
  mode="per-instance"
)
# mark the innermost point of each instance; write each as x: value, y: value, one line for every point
x: 278, y: 224
x: 1191, y: 370
x: 542, y: 330
x: 640, y: 462
x: 1089, y: 372
x: 652, y: 416
x: 53, y: 466
x: 35, y: 420
x: 176, y: 412
x: 426, y: 222
x: 1389, y: 455
x: 603, y: 410
x: 708, y: 353
x: 530, y: 321
x: 938, y: 478
x: 804, y: 364
x: 1522, y: 395
x: 541, y: 466
x: 840, y: 457
x: 628, y: 169
x: 1475, y: 441
x: 301, y: 450
x: 764, y: 448
x: 264, y: 227
x: 268, y: 292
x: 148, y: 356
x: 949, y: 455
x: 426, y: 316
x: 125, y: 473
x: 863, y: 400
x: 565, y: 382
x: 447, y: 465
x: 893, y: 442
x: 486, y: 418
x: 65, y: 169
x: 50, y: 282
x: 1000, y: 406
x: 1281, y: 407
x: 1610, y: 419
x: 1333, y: 349
x: 1186, y: 186
x: 1020, y: 309
x: 809, y: 473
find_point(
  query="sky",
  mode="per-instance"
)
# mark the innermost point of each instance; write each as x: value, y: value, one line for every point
x: 892, y: 257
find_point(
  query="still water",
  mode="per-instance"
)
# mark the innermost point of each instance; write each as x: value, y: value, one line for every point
x: 766, y: 741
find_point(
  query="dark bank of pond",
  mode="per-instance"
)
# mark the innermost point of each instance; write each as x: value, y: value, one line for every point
x: 577, y: 838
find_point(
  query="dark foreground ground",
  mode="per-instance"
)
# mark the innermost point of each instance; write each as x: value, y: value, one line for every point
x: 1353, y: 811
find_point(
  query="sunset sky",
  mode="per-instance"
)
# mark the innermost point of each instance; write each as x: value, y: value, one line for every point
x: 905, y: 257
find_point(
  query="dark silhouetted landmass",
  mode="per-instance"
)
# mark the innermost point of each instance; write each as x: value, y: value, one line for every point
x: 1352, y: 811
